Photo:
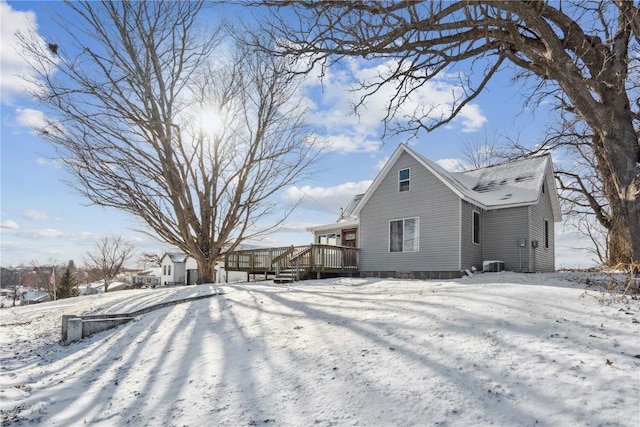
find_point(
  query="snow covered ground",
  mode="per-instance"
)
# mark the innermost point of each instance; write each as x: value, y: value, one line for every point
x: 494, y: 349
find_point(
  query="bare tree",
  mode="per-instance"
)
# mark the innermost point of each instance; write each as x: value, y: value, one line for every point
x: 489, y: 150
x: 107, y: 259
x: 192, y: 133
x: 149, y: 259
x: 583, y: 55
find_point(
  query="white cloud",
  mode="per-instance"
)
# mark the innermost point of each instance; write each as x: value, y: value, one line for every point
x: 381, y: 163
x: 46, y: 233
x: 326, y: 199
x: 350, y: 144
x: 297, y: 226
x: 9, y: 224
x: 14, y: 68
x: 332, y: 102
x: 472, y: 118
x: 30, y: 118
x: 87, y: 235
x: 453, y: 165
x: 35, y: 215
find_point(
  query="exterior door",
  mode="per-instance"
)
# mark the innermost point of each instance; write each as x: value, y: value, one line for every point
x: 350, y: 239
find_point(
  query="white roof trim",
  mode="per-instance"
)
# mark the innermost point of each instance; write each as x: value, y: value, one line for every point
x: 456, y: 183
x: 334, y: 226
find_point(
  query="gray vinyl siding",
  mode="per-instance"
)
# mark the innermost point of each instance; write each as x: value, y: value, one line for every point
x: 471, y: 252
x: 542, y: 259
x: 502, y: 230
x: 428, y: 199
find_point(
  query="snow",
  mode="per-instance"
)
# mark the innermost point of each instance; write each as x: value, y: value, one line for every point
x: 509, y: 184
x: 496, y: 348
x: 515, y: 182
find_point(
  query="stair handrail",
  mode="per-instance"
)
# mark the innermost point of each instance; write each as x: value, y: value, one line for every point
x: 295, y: 260
x: 275, y: 262
x: 305, y: 251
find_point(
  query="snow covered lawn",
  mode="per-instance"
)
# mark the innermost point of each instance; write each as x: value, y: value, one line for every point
x: 502, y: 349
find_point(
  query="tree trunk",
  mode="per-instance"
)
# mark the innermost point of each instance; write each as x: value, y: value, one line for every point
x: 618, y: 242
x: 206, y: 270
x: 622, y: 154
x: 617, y: 151
x: 632, y: 210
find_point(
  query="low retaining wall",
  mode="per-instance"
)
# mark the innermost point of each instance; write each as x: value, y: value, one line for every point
x: 74, y: 328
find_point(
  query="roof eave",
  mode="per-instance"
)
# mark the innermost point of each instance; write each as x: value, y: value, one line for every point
x: 333, y: 226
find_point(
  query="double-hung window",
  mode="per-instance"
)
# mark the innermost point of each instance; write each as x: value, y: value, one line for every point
x: 403, y: 235
x: 404, y: 178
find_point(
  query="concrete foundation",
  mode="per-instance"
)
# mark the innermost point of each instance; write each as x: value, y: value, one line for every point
x: 421, y: 275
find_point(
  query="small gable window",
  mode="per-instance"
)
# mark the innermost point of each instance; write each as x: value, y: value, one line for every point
x: 476, y: 227
x: 404, y: 178
x: 543, y: 188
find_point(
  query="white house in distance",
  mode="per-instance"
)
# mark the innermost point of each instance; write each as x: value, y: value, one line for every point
x: 146, y: 278
x: 419, y: 220
x: 180, y: 269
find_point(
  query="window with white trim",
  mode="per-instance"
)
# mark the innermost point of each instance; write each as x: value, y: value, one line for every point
x: 403, y: 235
x: 476, y: 227
x: 404, y: 179
x: 328, y: 239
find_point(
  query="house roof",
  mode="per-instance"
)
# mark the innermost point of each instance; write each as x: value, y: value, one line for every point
x: 512, y: 184
x: 155, y: 271
x: 335, y: 225
x: 176, y: 257
x: 347, y: 217
x: 347, y: 213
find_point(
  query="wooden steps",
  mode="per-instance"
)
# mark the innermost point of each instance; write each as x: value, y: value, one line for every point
x: 285, y: 276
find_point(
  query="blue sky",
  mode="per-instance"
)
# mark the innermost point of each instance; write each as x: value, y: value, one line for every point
x: 42, y: 219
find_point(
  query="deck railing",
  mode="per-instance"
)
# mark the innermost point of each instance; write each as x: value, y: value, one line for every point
x: 308, y: 258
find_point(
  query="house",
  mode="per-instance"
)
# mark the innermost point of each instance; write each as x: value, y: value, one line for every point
x: 145, y: 278
x: 178, y: 268
x: 419, y: 220
x: 34, y: 296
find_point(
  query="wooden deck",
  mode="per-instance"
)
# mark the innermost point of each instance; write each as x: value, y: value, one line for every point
x: 309, y: 261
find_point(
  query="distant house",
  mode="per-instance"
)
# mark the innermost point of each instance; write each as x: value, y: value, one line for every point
x: 178, y: 268
x: 419, y: 220
x: 34, y: 297
x: 147, y: 278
